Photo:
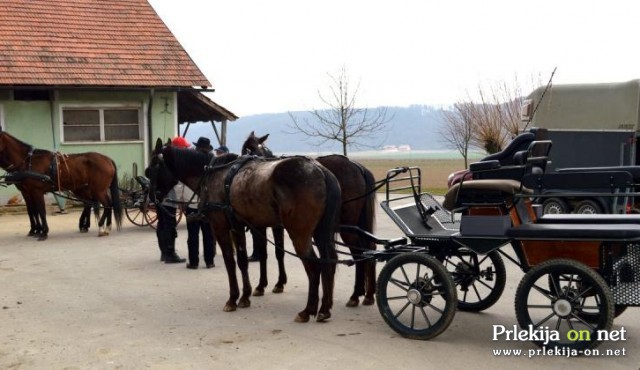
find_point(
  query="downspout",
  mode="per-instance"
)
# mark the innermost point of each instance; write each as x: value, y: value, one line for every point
x: 149, y: 110
x: 52, y: 97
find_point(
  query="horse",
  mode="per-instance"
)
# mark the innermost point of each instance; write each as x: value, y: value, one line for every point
x: 91, y: 177
x: 358, y: 209
x: 296, y: 193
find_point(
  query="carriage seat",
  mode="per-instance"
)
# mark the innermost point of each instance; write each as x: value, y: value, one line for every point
x: 610, y: 231
x: 482, y: 192
x: 589, y: 219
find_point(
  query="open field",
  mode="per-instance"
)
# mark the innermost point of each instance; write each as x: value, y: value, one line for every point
x: 434, y: 171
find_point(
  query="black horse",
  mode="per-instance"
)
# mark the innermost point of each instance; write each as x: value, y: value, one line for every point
x: 358, y: 209
x: 297, y: 193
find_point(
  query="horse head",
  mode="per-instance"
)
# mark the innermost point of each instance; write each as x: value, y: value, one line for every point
x: 255, y: 146
x: 161, y: 179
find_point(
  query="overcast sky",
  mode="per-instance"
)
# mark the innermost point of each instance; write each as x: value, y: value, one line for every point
x: 274, y: 56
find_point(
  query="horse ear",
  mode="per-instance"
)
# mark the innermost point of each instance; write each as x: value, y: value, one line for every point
x: 252, y: 134
x: 263, y: 139
x: 158, y: 145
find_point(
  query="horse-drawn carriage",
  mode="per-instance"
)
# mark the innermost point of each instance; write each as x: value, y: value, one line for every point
x: 580, y: 270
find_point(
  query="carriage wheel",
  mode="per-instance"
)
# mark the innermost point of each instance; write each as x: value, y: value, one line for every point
x: 136, y: 216
x: 562, y: 306
x: 416, y: 296
x: 618, y: 309
x: 554, y: 206
x: 151, y: 215
x: 480, y: 280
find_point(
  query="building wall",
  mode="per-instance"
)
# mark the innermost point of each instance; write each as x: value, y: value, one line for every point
x: 38, y: 123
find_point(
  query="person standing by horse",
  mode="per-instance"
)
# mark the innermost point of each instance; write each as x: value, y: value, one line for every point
x: 197, y: 224
x: 167, y: 232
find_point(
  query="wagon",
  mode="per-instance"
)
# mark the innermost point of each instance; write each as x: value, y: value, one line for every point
x: 580, y: 270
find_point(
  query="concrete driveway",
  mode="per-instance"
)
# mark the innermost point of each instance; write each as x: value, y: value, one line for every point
x: 77, y: 301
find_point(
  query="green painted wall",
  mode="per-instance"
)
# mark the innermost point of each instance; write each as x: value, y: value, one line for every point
x: 31, y: 121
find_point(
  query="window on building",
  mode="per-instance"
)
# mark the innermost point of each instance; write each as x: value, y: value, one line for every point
x: 101, y: 124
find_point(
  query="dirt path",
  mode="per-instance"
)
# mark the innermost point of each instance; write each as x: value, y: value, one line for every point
x: 78, y: 301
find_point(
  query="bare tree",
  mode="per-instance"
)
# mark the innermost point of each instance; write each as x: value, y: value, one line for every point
x: 494, y: 115
x: 341, y: 120
x: 458, y: 129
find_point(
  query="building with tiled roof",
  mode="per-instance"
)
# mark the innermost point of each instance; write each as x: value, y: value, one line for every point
x: 97, y: 75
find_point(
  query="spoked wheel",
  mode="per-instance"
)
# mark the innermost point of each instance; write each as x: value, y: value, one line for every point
x: 480, y: 280
x: 560, y: 305
x: 151, y: 215
x: 416, y: 296
x: 136, y: 216
x: 564, y: 279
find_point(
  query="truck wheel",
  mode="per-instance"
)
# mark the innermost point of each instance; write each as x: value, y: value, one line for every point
x: 554, y: 206
x: 588, y: 207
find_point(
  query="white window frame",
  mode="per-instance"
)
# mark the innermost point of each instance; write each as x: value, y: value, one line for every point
x: 101, y: 107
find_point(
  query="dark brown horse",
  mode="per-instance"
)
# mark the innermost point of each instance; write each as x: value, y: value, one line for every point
x: 296, y: 192
x: 91, y: 177
x: 358, y: 209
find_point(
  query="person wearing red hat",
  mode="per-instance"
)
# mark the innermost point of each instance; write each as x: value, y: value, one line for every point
x: 167, y: 232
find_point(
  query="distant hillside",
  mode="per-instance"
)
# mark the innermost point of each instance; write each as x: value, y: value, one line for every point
x: 416, y: 125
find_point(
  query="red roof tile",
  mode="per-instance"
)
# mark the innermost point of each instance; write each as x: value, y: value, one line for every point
x: 91, y: 42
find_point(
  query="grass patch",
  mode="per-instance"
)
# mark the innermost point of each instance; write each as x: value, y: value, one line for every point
x: 434, y: 171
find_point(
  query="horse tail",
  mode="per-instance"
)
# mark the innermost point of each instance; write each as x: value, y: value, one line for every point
x: 368, y: 215
x: 115, y: 197
x: 328, y: 225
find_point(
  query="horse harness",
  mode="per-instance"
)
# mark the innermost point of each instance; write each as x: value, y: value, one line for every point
x: 225, y: 206
x: 53, y: 176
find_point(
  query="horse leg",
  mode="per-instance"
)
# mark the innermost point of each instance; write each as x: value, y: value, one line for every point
x: 278, y: 237
x: 358, y: 288
x: 259, y: 236
x: 369, y: 278
x: 307, y: 255
x: 103, y: 199
x: 328, y: 256
x: 41, y: 212
x: 85, y: 219
x: 33, y: 230
x: 226, y: 248
x: 240, y: 242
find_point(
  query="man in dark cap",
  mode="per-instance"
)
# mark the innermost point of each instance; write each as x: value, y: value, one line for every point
x: 203, y: 144
x: 222, y: 150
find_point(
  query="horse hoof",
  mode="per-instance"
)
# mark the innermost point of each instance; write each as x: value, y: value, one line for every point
x: 323, y: 316
x: 229, y: 308
x: 258, y: 292
x: 42, y: 237
x: 244, y: 303
x: 278, y: 289
x: 368, y: 301
x: 102, y: 233
x: 302, y: 317
x: 84, y: 230
x: 353, y: 302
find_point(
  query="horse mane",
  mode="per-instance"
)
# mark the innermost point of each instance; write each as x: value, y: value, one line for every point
x: 192, y: 162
